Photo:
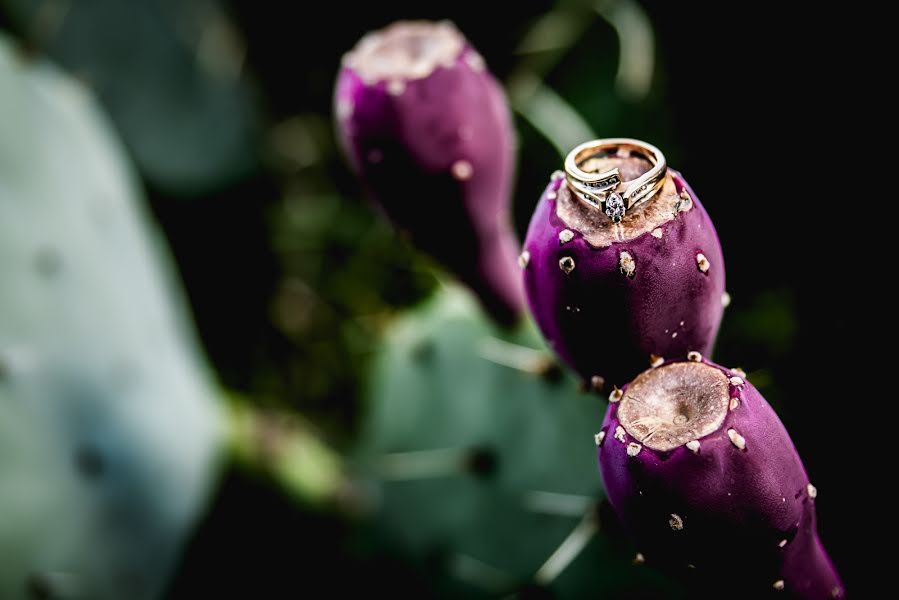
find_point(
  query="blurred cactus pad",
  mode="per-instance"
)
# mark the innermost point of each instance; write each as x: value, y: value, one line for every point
x: 153, y: 63
x: 481, y: 470
x: 109, y: 430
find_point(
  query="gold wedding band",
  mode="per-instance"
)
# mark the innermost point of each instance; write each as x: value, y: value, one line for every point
x: 598, y: 189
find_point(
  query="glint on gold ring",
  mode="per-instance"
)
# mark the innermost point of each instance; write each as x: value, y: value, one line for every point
x: 600, y: 189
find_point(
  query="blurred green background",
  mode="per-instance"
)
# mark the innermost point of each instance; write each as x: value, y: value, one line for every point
x: 292, y: 277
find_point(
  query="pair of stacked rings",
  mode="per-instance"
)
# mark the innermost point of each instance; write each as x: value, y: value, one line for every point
x: 601, y: 189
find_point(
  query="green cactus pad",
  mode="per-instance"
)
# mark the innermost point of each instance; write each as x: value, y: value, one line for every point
x: 432, y: 388
x: 109, y: 427
x: 169, y: 75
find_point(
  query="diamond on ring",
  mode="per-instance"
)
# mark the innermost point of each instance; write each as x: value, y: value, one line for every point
x: 615, y: 207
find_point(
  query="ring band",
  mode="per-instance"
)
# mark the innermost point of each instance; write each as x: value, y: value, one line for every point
x: 598, y: 188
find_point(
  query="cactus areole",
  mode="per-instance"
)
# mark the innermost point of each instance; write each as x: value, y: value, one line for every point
x: 705, y: 478
x: 613, y: 298
x: 429, y: 133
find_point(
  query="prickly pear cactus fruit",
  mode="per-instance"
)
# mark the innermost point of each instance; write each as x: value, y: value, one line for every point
x: 612, y: 298
x: 483, y: 465
x: 109, y: 422
x: 707, y: 481
x: 428, y: 130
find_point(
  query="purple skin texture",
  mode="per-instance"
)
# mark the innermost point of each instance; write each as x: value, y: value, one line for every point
x: 436, y: 153
x: 736, y: 506
x: 604, y: 323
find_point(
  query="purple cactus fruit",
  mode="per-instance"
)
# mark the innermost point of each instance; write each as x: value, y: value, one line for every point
x: 706, y: 480
x: 611, y: 298
x: 429, y: 133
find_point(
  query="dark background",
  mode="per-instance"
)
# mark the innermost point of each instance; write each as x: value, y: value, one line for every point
x: 292, y: 277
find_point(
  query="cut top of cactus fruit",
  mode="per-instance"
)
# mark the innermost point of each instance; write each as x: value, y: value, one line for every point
x: 669, y: 406
x: 598, y: 229
x: 405, y: 50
